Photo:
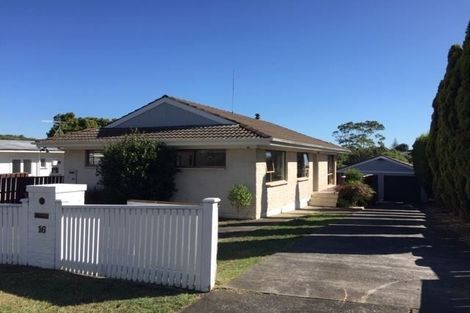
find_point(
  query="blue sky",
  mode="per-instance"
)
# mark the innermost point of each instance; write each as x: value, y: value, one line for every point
x: 307, y: 65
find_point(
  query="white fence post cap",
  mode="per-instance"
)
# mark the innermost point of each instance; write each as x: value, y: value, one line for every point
x: 211, y: 200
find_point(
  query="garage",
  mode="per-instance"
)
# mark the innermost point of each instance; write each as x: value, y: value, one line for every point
x: 392, y: 180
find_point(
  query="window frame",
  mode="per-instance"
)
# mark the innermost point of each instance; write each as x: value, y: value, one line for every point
x: 19, y: 163
x: 30, y: 165
x: 271, y: 166
x: 87, y: 157
x: 303, y: 168
x: 331, y: 169
x: 194, y: 159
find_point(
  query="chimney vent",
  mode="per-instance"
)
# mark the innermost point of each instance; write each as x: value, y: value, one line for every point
x: 257, y: 116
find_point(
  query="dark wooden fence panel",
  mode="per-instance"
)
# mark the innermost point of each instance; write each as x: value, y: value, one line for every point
x: 13, y: 186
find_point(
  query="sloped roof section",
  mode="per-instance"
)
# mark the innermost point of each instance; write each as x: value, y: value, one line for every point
x: 19, y: 145
x: 261, y: 127
x: 243, y: 127
x: 219, y: 132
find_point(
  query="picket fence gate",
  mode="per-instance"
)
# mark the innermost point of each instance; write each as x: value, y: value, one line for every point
x: 166, y: 244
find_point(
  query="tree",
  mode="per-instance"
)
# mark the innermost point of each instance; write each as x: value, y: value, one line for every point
x: 449, y: 137
x: 137, y: 168
x: 360, y: 135
x: 68, y: 122
x: 421, y: 163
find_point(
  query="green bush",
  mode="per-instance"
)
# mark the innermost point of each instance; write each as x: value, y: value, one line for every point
x: 354, y: 193
x: 240, y: 197
x: 421, y: 164
x: 137, y: 168
x: 353, y: 175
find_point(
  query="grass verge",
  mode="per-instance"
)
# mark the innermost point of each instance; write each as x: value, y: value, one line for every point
x: 30, y: 290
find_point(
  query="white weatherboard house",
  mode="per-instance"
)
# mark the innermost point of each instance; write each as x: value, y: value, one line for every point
x: 216, y: 149
x: 23, y: 156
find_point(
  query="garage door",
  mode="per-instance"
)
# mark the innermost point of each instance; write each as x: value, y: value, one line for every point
x: 401, y: 189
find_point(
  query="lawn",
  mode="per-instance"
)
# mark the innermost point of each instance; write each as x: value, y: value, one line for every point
x: 24, y: 289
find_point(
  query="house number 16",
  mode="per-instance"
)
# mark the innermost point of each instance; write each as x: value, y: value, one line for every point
x: 42, y: 229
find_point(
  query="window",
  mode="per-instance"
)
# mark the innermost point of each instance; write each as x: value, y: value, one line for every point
x: 27, y: 166
x: 43, y: 163
x: 275, y: 165
x: 16, y: 166
x: 200, y: 158
x: 93, y: 157
x: 331, y: 169
x: 302, y: 164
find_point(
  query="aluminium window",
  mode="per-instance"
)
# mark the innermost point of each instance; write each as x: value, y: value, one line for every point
x: 27, y: 168
x: 331, y: 170
x: 275, y: 165
x: 16, y: 166
x: 200, y: 158
x: 93, y: 157
x: 302, y: 164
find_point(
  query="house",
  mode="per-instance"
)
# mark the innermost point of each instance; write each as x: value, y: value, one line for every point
x: 215, y: 150
x: 392, y: 180
x: 23, y: 156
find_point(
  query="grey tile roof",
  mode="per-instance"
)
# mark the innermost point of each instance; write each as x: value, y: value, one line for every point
x: 18, y: 145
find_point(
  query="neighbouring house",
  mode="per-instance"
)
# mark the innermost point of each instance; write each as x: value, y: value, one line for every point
x: 392, y: 180
x: 23, y: 156
x: 216, y: 149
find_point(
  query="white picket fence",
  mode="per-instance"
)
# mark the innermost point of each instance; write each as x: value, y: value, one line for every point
x: 10, y: 233
x: 142, y: 243
x: 167, y: 244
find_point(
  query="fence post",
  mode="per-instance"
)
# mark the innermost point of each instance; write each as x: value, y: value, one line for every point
x: 210, y: 219
x: 23, y: 231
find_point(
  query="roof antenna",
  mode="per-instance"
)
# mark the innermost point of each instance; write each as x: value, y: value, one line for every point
x: 233, y: 87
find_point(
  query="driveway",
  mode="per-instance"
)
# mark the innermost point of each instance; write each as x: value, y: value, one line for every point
x: 386, y: 259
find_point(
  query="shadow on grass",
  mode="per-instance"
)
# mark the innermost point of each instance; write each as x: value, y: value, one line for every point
x: 267, y: 240
x: 291, y: 227
x: 64, y: 289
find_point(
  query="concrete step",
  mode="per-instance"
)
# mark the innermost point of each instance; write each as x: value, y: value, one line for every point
x: 323, y: 199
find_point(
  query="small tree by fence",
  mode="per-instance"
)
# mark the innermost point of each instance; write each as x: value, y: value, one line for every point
x: 13, y: 186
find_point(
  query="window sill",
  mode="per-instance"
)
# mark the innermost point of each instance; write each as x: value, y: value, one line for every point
x: 302, y: 178
x: 276, y: 183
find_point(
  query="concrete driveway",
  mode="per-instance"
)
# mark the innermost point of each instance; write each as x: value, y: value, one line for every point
x: 387, y: 259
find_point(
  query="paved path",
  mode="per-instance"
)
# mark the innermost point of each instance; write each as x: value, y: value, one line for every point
x: 387, y: 259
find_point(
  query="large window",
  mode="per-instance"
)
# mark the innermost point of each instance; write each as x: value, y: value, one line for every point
x: 16, y: 164
x: 200, y: 158
x: 331, y: 169
x: 93, y: 157
x: 302, y: 164
x: 27, y: 166
x: 275, y: 165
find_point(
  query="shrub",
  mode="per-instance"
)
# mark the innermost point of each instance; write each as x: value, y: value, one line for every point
x: 354, y: 193
x: 354, y: 175
x: 421, y: 164
x: 137, y: 168
x: 240, y: 197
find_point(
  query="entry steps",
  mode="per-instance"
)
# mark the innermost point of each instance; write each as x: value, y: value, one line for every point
x: 323, y: 199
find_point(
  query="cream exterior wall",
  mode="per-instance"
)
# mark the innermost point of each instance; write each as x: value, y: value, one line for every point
x: 282, y: 196
x: 194, y: 184
x: 75, y: 170
x: 243, y: 166
x: 6, y: 162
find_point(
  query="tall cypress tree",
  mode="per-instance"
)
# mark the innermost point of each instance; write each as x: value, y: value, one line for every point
x: 448, y: 149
